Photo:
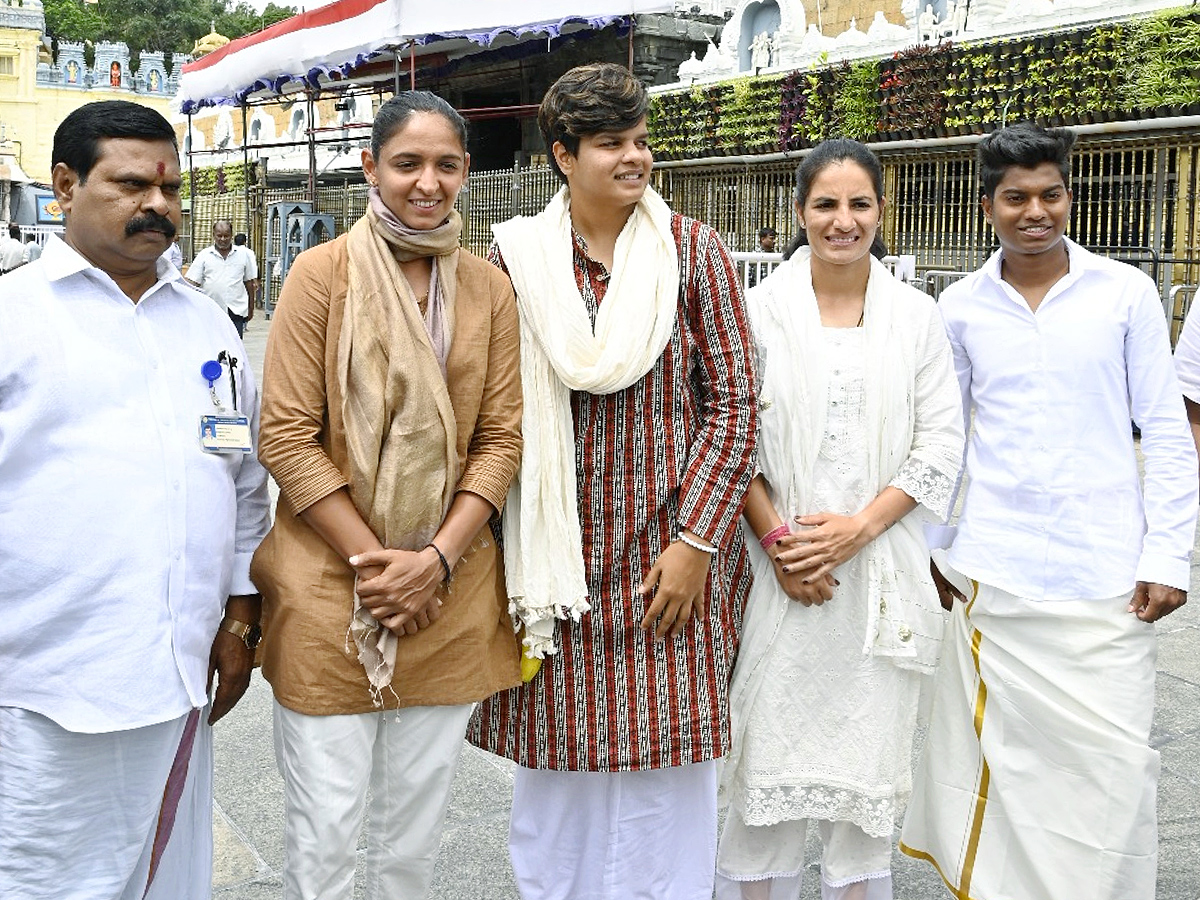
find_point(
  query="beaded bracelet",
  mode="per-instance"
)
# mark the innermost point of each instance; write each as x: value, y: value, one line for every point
x: 442, y: 560
x: 773, y: 536
x: 697, y: 545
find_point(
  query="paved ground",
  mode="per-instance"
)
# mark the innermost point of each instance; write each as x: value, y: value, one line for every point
x: 248, y: 813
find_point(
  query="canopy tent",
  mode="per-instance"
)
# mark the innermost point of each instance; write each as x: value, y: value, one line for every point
x: 331, y: 42
x: 11, y: 170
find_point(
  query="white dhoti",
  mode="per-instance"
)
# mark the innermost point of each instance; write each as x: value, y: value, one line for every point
x: 123, y: 815
x: 1037, y: 780
x: 648, y: 835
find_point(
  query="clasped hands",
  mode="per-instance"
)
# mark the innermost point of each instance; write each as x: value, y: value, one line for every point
x: 804, y: 560
x: 399, y: 587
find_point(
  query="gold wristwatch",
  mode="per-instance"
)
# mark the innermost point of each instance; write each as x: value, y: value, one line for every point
x: 250, y: 635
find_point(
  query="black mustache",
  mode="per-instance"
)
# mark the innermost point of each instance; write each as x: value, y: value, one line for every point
x: 150, y: 222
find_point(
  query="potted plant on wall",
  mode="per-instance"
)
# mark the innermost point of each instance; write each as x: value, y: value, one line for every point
x: 856, y: 105
x: 1163, y: 62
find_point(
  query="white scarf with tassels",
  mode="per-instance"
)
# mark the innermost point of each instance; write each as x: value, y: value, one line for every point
x: 562, y: 352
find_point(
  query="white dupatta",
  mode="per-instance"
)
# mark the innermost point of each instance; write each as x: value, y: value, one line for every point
x: 914, y: 416
x: 561, y: 352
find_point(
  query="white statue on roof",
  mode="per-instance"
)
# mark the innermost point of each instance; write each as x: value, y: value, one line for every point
x: 760, y: 52
x: 881, y: 31
x: 959, y: 17
x: 927, y: 26
x: 691, y: 69
x: 713, y: 62
x: 754, y: 23
x: 815, y: 43
x: 775, y: 34
x: 852, y: 37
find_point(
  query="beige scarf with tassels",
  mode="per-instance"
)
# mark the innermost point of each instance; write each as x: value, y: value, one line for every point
x: 401, y: 437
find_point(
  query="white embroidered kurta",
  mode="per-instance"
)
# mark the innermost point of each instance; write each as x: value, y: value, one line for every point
x: 830, y: 732
x: 824, y: 707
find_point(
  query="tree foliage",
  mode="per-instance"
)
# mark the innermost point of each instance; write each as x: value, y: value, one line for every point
x: 169, y: 25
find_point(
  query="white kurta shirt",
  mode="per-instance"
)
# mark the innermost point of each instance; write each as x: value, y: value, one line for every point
x: 1054, y: 509
x: 224, y: 277
x: 120, y: 539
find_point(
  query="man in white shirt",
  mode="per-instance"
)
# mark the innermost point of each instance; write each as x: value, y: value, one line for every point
x: 32, y: 251
x: 124, y: 544
x: 1038, y: 780
x: 12, y: 251
x: 228, y: 274
x: 173, y: 254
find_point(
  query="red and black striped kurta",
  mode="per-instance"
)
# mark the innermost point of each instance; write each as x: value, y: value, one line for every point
x: 675, y: 450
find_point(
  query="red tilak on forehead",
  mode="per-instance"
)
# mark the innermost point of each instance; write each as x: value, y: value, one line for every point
x: 162, y: 167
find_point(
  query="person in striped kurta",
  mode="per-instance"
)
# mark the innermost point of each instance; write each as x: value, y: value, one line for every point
x: 618, y: 734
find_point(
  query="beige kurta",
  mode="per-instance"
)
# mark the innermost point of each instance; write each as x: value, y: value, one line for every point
x: 308, y: 658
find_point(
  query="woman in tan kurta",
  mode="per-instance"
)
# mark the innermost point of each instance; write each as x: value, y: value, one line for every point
x: 391, y: 416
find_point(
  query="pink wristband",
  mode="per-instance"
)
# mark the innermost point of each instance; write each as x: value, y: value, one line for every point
x: 771, y: 537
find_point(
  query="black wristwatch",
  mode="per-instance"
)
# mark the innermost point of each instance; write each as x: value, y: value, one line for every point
x: 250, y: 634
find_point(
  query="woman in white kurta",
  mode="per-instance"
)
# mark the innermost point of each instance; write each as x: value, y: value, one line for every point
x: 860, y: 445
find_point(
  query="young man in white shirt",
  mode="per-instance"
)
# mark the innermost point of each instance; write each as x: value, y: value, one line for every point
x: 125, y: 541
x: 228, y: 274
x: 1037, y: 779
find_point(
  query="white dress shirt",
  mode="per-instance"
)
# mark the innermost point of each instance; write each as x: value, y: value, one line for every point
x: 12, y: 254
x: 120, y: 539
x: 174, y: 255
x: 224, y: 277
x: 1054, y: 509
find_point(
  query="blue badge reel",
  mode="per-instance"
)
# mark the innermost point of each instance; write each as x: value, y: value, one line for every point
x: 223, y: 431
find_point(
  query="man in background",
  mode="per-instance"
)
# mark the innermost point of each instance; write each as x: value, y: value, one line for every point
x: 766, y: 244
x: 12, y: 251
x: 32, y: 251
x: 173, y: 254
x: 240, y: 240
x: 228, y: 274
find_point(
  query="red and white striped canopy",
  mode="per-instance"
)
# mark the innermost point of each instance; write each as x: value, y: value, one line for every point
x: 337, y: 38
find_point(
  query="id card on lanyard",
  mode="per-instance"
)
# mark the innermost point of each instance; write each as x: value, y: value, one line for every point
x: 223, y: 431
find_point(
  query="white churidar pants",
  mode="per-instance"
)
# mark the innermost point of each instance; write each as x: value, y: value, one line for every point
x: 79, y: 812
x: 766, y: 862
x: 648, y: 835
x: 405, y: 758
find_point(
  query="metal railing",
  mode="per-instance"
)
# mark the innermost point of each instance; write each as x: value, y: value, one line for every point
x: 491, y: 197
x: 40, y: 233
x: 934, y: 281
x: 753, y: 267
x: 1136, y: 196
